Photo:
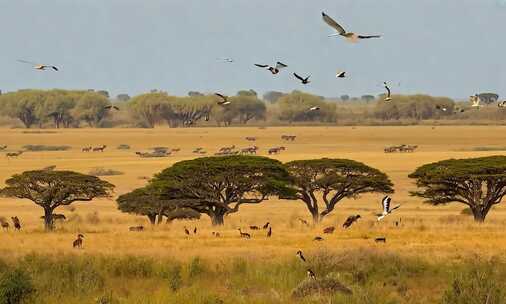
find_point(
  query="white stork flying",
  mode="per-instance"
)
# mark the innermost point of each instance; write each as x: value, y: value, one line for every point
x: 40, y: 67
x: 342, y: 32
x: 385, y: 202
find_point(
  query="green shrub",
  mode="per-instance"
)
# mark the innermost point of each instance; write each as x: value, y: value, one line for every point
x: 104, y: 172
x: 15, y: 287
x: 196, y: 268
x: 479, y: 284
x: 39, y: 148
x: 174, y: 277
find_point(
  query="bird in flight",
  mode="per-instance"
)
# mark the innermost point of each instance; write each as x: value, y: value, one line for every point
x: 111, y: 107
x: 442, y: 108
x: 303, y: 80
x: 226, y: 60
x: 342, y: 32
x: 40, y: 67
x: 274, y: 70
x: 312, y: 109
x: 389, y: 93
x: 350, y: 220
x: 502, y: 104
x: 301, y: 256
x: 340, y: 74
x: 224, y: 99
x: 385, y: 202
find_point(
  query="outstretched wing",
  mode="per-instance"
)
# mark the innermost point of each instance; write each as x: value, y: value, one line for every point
x: 396, y: 207
x: 368, y: 36
x: 333, y: 24
x: 386, y: 204
x: 388, y: 90
x: 280, y: 65
x: 261, y: 65
x: 221, y: 96
x: 298, y: 77
x: 54, y: 68
x: 24, y: 61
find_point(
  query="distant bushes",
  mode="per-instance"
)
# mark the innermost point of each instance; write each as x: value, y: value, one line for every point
x: 40, y: 148
x: 15, y: 287
x: 99, y: 171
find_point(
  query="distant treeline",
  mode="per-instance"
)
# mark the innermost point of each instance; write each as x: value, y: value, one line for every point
x: 73, y: 109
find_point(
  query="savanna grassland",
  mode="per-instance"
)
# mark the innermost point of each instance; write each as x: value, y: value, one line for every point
x: 431, y: 248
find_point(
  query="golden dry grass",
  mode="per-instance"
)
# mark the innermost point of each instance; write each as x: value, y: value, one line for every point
x: 435, y: 232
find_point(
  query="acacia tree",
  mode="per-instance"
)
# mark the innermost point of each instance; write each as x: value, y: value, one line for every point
x: 218, y: 186
x: 479, y: 183
x: 91, y: 108
x: 51, y: 189
x: 334, y: 180
x: 149, y: 202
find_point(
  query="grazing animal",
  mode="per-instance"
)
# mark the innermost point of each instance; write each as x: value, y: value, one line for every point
x: 56, y: 217
x: 216, y: 234
x: 195, y: 230
x: 301, y: 255
x: 288, y: 137
x: 78, y: 243
x: 3, y: 148
x: 87, y: 149
x: 250, y: 138
x: 136, y: 228
x: 318, y: 238
x: 99, y: 149
x: 254, y: 228
x: 350, y: 220
x: 385, y: 202
x: 186, y: 231
x: 303, y: 80
x: 4, y: 224
x: 329, y: 230
x: 274, y: 70
x: 244, y: 234
x: 352, y: 37
x: 16, y: 222
x: 311, y: 274
x: 269, y: 233
x: 380, y: 240
x: 266, y: 225
x: 14, y: 154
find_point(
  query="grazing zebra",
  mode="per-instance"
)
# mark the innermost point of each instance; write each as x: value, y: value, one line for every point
x: 244, y: 234
x: 78, y: 243
x: 16, y: 222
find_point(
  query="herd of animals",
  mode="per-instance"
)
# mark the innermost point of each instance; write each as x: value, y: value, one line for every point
x: 387, y: 209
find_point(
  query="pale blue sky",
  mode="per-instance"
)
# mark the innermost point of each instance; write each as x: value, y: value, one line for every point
x: 442, y: 47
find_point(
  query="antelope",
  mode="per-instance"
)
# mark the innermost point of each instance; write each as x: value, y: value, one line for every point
x: 266, y: 225
x: 4, y: 224
x: 14, y: 154
x: 99, y: 149
x: 16, y: 223
x: 269, y: 233
x: 78, y: 243
x: 56, y: 217
x: 254, y: 228
x: 216, y: 234
x: 244, y: 234
x: 251, y: 138
x: 87, y: 149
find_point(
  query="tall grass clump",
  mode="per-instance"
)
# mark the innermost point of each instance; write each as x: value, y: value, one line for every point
x: 15, y: 287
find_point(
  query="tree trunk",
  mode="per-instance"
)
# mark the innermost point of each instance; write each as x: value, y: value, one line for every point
x: 48, y: 219
x: 479, y: 215
x: 152, y: 218
x: 217, y: 217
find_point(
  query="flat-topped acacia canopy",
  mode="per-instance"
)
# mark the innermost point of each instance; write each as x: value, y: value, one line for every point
x: 478, y: 183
